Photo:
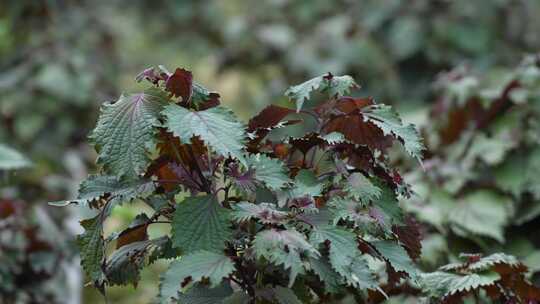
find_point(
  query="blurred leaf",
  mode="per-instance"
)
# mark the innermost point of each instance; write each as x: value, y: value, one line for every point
x: 482, y: 213
x: 11, y: 159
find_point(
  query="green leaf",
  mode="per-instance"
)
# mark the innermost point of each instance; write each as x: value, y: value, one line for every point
x: 386, y: 208
x: 125, y: 132
x: 349, y: 210
x: 123, y: 266
x: 200, y: 223
x: 305, y: 184
x: 344, y: 255
x: 518, y: 174
x: 217, y: 126
x: 316, y: 217
x: 509, y: 175
x: 442, y: 284
x: 360, y: 187
x: 359, y: 275
x: 265, y: 212
x: 388, y: 121
x: 165, y: 250
x: 201, y: 94
x: 270, y: 171
x: 11, y: 159
x: 331, y: 279
x: 335, y: 86
x: 482, y: 213
x: 91, y: 247
x: 396, y: 256
x: 200, y: 294
x: 117, y: 191
x: 284, y: 247
x: 343, y: 244
x: 198, y: 265
x: 491, y: 150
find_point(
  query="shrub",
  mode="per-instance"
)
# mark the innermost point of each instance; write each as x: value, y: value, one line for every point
x: 256, y: 215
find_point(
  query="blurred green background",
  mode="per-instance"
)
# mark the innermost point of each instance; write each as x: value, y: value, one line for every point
x: 59, y: 60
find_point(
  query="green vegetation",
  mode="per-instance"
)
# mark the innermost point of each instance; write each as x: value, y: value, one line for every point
x: 251, y: 224
x: 479, y: 190
x: 474, y: 192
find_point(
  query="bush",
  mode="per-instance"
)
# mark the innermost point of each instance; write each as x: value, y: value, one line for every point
x: 257, y: 215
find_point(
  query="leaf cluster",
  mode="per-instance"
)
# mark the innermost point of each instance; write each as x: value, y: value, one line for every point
x: 479, y: 190
x: 482, y: 141
x: 255, y: 213
x: 391, y: 42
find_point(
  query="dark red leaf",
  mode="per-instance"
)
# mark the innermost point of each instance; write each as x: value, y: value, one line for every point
x: 459, y: 119
x: 166, y: 177
x: 348, y: 105
x: 410, y: 237
x: 265, y: 121
x: 268, y: 117
x: 180, y: 84
x: 212, y: 101
x: 394, y: 277
x: 500, y: 106
x: 348, y: 120
x: 305, y: 143
x: 359, y: 156
x: 133, y: 234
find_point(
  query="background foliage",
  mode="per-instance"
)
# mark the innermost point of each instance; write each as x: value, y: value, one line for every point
x: 479, y: 192
x: 61, y: 59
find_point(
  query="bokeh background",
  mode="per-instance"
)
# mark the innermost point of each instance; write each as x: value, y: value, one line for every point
x: 59, y: 60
